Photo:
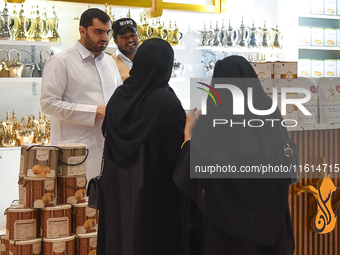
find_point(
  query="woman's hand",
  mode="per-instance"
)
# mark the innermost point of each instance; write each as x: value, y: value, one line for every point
x: 191, y: 121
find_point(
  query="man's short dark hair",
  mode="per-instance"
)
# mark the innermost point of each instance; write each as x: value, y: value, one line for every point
x: 87, y: 17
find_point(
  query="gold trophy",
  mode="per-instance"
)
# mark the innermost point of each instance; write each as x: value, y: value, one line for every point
x: 8, y: 137
x: 38, y: 26
x: 30, y: 24
x: 139, y: 26
x: 153, y: 29
x: 41, y: 125
x: 128, y: 15
x: 176, y: 36
x: 21, y: 34
x: 45, y: 25
x: 54, y: 21
x: 146, y: 33
x: 14, y: 21
x: 277, y: 42
x: 112, y: 18
x: 170, y: 32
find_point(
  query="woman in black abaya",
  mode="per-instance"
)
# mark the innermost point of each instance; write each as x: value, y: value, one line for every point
x: 248, y: 215
x: 140, y: 206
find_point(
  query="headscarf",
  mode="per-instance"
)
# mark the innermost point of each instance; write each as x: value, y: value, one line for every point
x: 238, y: 142
x: 254, y: 210
x: 142, y: 104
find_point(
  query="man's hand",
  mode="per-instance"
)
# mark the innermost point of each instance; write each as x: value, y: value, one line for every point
x: 191, y: 120
x: 101, y: 111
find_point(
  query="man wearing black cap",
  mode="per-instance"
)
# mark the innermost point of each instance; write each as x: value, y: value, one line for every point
x: 126, y: 38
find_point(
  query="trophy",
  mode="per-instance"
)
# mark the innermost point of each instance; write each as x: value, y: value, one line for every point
x: 139, y: 26
x: 42, y: 132
x: 254, y: 37
x: 128, y: 15
x: 176, y: 36
x: 216, y: 39
x: 45, y: 25
x: 5, y: 32
x: 277, y: 43
x: 8, y: 137
x: 146, y: 31
x: 230, y: 36
x: 153, y: 28
x: 265, y: 37
x: 21, y: 34
x: 54, y: 21
x: 158, y: 31
x: 38, y: 26
x: 244, y: 33
x: 169, y: 33
x: 204, y: 33
x: 30, y: 23
x: 210, y: 34
x: 14, y: 21
x: 112, y: 18
x: 177, y: 69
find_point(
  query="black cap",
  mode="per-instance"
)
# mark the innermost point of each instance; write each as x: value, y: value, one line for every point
x: 119, y: 26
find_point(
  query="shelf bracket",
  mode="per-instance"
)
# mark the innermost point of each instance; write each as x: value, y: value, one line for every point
x: 34, y: 88
x: 33, y: 49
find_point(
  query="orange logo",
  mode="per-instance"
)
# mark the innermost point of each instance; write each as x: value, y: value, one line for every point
x: 325, y: 218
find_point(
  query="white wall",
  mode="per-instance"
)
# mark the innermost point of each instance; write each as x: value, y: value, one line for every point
x: 19, y: 96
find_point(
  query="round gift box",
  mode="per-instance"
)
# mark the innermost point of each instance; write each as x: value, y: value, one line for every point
x: 39, y: 161
x: 72, y: 159
x: 56, y: 222
x: 71, y: 190
x: 87, y: 244
x: 59, y: 246
x: 29, y: 247
x: 39, y: 192
x: 4, y: 245
x: 85, y: 219
x: 21, y: 182
x: 22, y: 223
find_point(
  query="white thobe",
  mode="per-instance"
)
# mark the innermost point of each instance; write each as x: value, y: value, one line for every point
x: 74, y: 83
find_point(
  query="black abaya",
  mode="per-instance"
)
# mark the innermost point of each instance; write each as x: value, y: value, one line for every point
x: 141, y: 209
x: 240, y: 216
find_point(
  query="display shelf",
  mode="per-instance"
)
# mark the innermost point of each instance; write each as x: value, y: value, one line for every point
x: 19, y: 80
x: 319, y: 16
x: 29, y: 43
x: 177, y: 47
x: 178, y: 79
x: 307, y: 47
x: 246, y: 50
x: 10, y: 148
x: 314, y: 127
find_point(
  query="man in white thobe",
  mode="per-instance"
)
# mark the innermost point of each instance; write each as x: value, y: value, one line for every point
x: 76, y: 86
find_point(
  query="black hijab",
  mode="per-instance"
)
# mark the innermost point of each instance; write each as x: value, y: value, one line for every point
x: 238, y: 142
x: 254, y: 210
x: 142, y: 103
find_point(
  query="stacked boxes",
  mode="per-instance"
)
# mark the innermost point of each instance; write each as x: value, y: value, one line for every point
x: 52, y: 206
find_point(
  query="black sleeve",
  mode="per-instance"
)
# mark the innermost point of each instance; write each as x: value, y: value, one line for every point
x: 171, y: 135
